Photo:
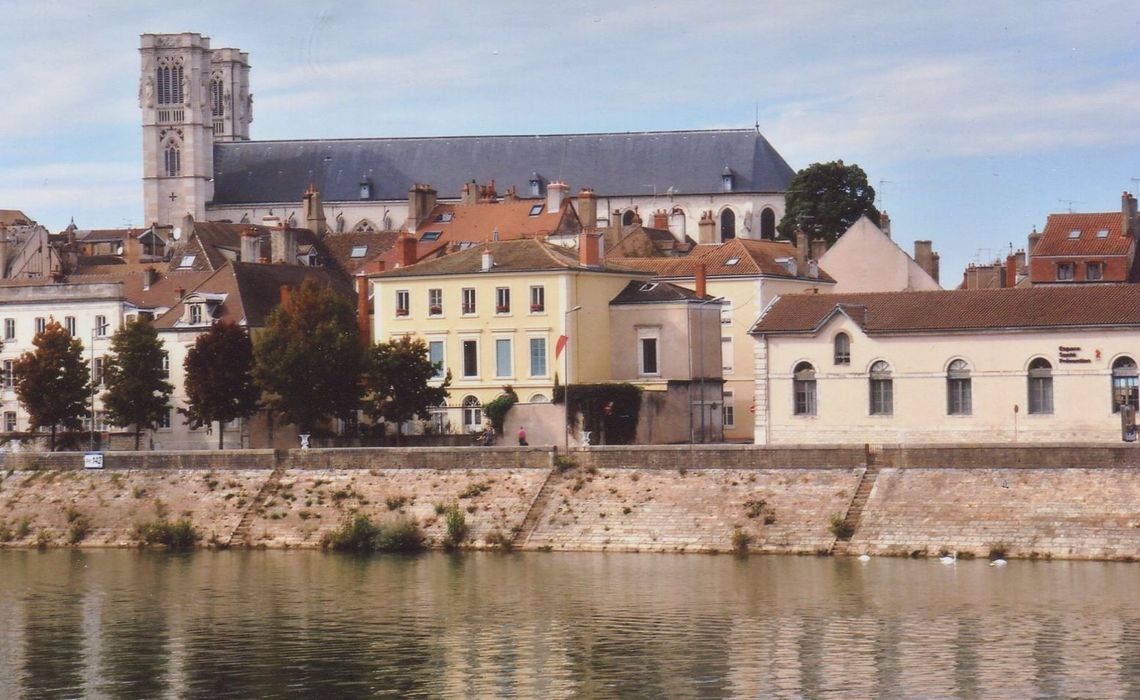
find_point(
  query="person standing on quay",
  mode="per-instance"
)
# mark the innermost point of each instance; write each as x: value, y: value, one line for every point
x: 522, y: 436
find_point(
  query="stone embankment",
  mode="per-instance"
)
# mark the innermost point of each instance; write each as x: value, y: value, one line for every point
x: 1062, y: 501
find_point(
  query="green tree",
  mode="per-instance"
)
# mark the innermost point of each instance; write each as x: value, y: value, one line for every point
x: 308, y: 357
x: 825, y: 199
x: 137, y: 391
x: 219, y: 378
x: 397, y: 382
x: 53, y: 382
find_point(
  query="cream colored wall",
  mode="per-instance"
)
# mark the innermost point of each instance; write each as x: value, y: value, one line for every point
x: 179, y: 436
x: 865, y: 259
x: 680, y: 328
x: 998, y: 363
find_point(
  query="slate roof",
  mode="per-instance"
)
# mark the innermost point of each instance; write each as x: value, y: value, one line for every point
x: 373, y: 244
x: 755, y: 258
x: 1078, y: 306
x: 523, y: 255
x: 613, y: 164
x: 210, y: 241
x: 1055, y: 238
x: 655, y: 293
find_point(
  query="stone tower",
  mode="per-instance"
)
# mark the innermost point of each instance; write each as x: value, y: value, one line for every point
x: 189, y: 96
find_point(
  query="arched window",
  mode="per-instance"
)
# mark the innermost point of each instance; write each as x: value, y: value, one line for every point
x: 677, y: 220
x: 842, y: 349
x: 727, y: 225
x: 627, y: 218
x: 172, y: 160
x: 1040, y: 386
x: 958, y: 401
x: 803, y: 389
x: 472, y: 414
x: 364, y: 226
x: 539, y: 398
x: 882, y: 390
x: 217, y: 98
x: 1124, y: 389
x: 168, y: 81
x: 767, y: 224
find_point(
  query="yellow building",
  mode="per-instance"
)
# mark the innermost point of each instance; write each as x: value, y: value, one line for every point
x: 493, y: 314
x: 1041, y: 364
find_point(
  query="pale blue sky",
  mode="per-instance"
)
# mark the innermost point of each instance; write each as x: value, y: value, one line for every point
x: 973, y: 121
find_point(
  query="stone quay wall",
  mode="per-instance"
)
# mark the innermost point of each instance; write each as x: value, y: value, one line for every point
x: 1065, y: 501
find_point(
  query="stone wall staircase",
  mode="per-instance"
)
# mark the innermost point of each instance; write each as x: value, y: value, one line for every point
x: 537, y: 508
x: 240, y: 535
x: 854, y: 515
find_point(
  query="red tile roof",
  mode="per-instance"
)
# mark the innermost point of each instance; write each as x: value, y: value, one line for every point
x: 509, y: 256
x: 1078, y: 306
x: 1056, y: 240
x: 752, y: 258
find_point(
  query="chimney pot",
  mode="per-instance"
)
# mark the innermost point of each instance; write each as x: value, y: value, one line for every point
x: 701, y: 284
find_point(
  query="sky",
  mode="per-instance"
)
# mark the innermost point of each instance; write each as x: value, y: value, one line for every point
x: 973, y: 121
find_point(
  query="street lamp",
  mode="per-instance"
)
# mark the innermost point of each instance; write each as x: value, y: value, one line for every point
x: 566, y: 389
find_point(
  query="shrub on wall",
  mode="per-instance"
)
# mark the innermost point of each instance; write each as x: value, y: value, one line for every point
x: 496, y: 409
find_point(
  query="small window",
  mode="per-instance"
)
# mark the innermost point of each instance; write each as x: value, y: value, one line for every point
x: 435, y: 354
x: 649, y: 349
x: 359, y: 251
x: 195, y: 314
x: 470, y: 358
x: 9, y: 421
x: 165, y: 364
x: 882, y: 389
x: 435, y: 302
x: 163, y: 420
x: 444, y: 218
x: 502, y: 300
x: 803, y: 390
x: 9, y: 329
x: 732, y: 261
x: 1103, y: 233
x: 1124, y: 384
x: 1075, y: 233
x: 727, y: 358
x: 403, y: 303
x: 958, y: 390
x: 97, y: 371
x: 1094, y: 271
x: 101, y: 326
x: 729, y: 416
x: 9, y: 374
x: 842, y: 349
x: 431, y: 235
x: 69, y: 324
x: 1065, y: 271
x: 536, y: 209
x: 468, y: 295
x: 41, y: 324
x: 187, y: 262
x: 727, y: 225
x: 1040, y: 387
x: 537, y: 299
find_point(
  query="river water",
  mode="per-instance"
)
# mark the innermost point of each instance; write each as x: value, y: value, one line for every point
x: 300, y: 623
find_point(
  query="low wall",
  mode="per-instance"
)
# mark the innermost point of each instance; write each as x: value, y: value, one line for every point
x: 1072, y: 501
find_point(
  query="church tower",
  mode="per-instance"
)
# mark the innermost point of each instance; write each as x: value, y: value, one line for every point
x: 189, y: 95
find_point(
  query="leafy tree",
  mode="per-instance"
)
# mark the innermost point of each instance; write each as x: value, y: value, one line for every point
x: 397, y: 379
x: 825, y: 199
x: 219, y: 378
x: 137, y: 391
x: 53, y: 382
x: 308, y: 357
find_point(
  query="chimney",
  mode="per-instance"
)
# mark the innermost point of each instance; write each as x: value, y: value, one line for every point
x: 362, y: 320
x: 613, y: 230
x: 1127, y: 214
x: 1020, y: 254
x: 314, y: 211
x: 3, y: 251
x: 405, y: 250
x: 588, y: 208
x: 813, y: 269
x: 801, y: 249
x: 488, y: 261
x: 661, y: 219
x: 924, y: 256
x: 187, y: 225
x: 701, y: 285
x: 283, y: 245
x: 935, y: 264
x: 286, y: 297
x: 1031, y: 242
x: 555, y: 194
x: 706, y: 229
x: 250, y: 245
x: 1010, y: 271
x: 150, y: 276
x: 421, y: 200
x: 180, y: 292
x: 132, y: 249
x: 511, y: 195
x: 589, y: 253
x: 818, y: 248
x: 469, y: 194
x: 885, y: 223
x: 488, y: 194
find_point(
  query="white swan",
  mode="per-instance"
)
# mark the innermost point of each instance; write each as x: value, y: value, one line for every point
x: 949, y: 558
x: 864, y: 557
x: 998, y: 562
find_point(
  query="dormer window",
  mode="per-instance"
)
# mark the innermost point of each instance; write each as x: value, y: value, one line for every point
x: 648, y: 287
x: 444, y: 218
x: 365, y: 188
x: 197, y: 313
x: 726, y: 179
x: 535, y: 185
x: 536, y: 209
x: 431, y: 235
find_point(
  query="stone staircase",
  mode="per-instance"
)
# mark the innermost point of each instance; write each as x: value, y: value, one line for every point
x: 240, y: 535
x: 855, y: 510
x: 537, y: 508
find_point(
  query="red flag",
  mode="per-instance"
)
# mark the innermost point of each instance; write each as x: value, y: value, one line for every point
x: 560, y: 345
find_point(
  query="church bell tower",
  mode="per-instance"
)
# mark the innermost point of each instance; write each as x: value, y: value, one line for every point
x: 190, y: 96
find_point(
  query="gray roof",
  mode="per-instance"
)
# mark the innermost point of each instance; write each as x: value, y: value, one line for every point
x: 656, y: 293
x: 612, y: 164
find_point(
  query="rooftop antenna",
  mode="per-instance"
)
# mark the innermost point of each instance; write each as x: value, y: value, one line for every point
x: 757, y: 124
x: 1070, y: 202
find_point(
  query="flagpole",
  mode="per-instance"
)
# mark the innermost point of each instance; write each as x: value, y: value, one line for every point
x: 566, y: 387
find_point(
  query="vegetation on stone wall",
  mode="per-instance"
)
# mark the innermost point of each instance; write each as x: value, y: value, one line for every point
x: 457, y: 528
x: 178, y: 534
x: 496, y: 409
x: 361, y: 535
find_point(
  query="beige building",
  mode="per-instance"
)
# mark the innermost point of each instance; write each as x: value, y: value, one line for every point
x: 866, y: 259
x: 1043, y: 364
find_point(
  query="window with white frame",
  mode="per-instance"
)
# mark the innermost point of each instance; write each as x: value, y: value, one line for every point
x: 472, y: 414
x: 70, y: 325
x: 9, y: 329
x: 803, y: 390
x: 1040, y: 386
x: 727, y: 359
x: 538, y: 357
x: 9, y: 374
x: 1094, y: 271
x: 196, y: 314
x: 648, y: 351
x: 537, y: 299
x: 41, y: 324
x: 97, y: 371
x: 435, y: 355
x: 1124, y: 384
x: 9, y: 421
x: 1065, y: 271
x: 502, y: 300
x: 959, y: 401
x: 729, y: 410
x: 882, y: 390
x: 503, y: 357
x: 468, y: 300
x: 435, y: 302
x: 403, y: 302
x: 842, y: 349
x: 470, y: 358
x: 163, y: 420
x: 101, y: 326
x: 166, y: 364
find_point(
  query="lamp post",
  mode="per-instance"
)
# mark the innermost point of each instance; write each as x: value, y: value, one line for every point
x: 701, y: 359
x: 566, y: 389
x: 95, y: 332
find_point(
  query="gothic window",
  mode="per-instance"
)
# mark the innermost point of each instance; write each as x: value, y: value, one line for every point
x: 364, y: 226
x: 727, y: 225
x: 217, y: 98
x: 172, y: 160
x: 1040, y: 386
x: 767, y: 224
x: 958, y: 391
x: 168, y: 80
x: 1124, y: 384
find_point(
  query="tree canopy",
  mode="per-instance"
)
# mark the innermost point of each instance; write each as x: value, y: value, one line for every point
x: 825, y: 199
x: 219, y: 378
x: 53, y: 382
x: 308, y: 357
x: 137, y: 391
x: 397, y: 381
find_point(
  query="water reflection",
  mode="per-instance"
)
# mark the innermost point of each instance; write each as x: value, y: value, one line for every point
x: 280, y: 624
